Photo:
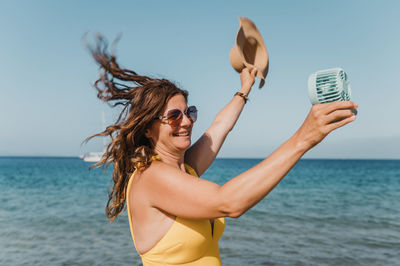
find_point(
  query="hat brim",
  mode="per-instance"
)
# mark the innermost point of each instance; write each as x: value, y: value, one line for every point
x: 250, y: 50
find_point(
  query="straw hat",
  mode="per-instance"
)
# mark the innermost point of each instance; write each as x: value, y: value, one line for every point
x: 249, y: 50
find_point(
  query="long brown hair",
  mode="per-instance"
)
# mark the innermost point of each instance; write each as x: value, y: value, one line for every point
x: 143, y: 99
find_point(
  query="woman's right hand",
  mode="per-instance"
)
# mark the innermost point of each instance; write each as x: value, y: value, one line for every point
x: 247, y: 78
x: 323, y: 119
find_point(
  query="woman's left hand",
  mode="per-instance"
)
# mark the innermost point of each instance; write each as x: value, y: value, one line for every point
x: 247, y: 77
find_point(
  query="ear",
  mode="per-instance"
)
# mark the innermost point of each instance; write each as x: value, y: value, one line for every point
x: 147, y: 133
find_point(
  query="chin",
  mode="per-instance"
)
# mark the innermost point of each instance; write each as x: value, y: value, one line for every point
x: 184, y: 144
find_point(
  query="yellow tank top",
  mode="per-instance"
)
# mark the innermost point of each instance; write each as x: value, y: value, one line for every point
x: 189, y: 242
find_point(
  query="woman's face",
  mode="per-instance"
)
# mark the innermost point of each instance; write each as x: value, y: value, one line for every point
x: 169, y: 138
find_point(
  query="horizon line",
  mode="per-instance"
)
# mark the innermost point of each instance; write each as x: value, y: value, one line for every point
x: 248, y: 158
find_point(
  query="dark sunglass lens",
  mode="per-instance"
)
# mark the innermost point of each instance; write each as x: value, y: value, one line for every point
x: 192, y: 112
x: 174, y: 114
x: 174, y: 117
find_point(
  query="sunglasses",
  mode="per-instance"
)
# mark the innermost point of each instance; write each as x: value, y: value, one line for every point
x: 175, y: 116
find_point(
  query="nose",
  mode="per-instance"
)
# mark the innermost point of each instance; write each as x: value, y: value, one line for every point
x: 186, y: 121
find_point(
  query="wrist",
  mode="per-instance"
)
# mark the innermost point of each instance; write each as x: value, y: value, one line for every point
x: 299, y: 144
x: 242, y: 95
x: 245, y: 90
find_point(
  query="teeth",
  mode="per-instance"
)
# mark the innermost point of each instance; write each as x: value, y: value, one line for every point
x: 182, y: 134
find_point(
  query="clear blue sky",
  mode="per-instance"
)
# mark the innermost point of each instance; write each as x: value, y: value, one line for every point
x: 48, y: 106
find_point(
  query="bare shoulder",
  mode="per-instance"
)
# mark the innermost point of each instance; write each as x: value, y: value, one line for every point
x: 145, y: 181
x: 161, y: 172
x: 149, y: 224
x: 143, y: 185
x: 178, y: 193
x: 150, y: 181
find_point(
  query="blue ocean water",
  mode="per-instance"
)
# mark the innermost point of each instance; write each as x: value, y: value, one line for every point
x: 325, y: 212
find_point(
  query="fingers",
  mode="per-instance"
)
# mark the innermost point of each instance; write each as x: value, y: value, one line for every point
x: 340, y: 123
x: 324, y: 118
x: 244, y: 70
x: 338, y: 114
x: 253, y: 72
x: 327, y: 108
x: 247, y: 78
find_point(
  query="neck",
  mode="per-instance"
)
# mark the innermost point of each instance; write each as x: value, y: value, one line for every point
x: 175, y: 159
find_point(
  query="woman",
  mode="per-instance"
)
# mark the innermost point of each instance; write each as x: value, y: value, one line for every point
x: 176, y: 217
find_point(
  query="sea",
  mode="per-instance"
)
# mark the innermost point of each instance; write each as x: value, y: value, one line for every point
x: 324, y: 212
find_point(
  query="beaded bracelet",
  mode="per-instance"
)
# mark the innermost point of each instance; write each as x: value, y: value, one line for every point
x: 244, y: 96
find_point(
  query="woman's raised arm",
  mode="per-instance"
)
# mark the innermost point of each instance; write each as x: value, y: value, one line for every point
x: 175, y: 192
x: 203, y: 152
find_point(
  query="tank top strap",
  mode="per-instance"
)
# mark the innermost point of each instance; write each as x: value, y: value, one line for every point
x: 127, y: 204
x: 155, y: 158
x: 190, y: 170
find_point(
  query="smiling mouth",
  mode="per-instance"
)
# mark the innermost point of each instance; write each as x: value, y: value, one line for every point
x: 181, y: 134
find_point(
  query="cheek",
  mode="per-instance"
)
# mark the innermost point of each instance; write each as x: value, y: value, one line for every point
x: 153, y: 133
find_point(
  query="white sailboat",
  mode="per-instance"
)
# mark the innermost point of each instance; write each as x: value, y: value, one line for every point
x: 96, y: 156
x: 93, y: 157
